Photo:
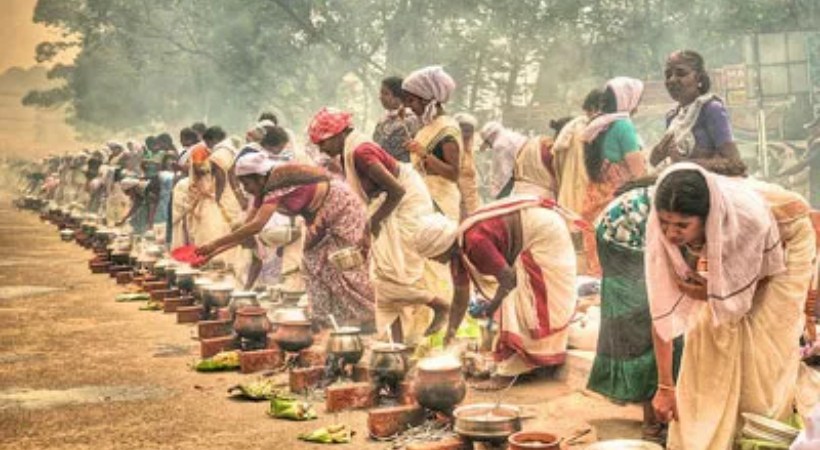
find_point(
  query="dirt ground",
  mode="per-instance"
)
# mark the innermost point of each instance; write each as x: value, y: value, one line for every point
x: 78, y: 370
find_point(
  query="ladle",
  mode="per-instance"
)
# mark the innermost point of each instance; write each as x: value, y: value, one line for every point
x: 333, y: 322
x: 500, y: 396
x: 571, y: 440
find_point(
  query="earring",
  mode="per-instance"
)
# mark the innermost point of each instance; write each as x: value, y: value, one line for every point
x: 700, y: 85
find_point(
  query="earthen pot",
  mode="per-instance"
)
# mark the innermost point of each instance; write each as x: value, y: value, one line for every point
x: 293, y: 336
x: 251, y: 322
x: 439, y: 383
x: 534, y: 440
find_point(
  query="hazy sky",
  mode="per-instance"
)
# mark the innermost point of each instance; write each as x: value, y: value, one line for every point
x: 19, y: 34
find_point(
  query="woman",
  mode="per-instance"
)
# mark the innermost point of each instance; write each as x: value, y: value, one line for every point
x: 533, y: 171
x: 728, y: 262
x: 612, y: 153
x: 398, y: 124
x: 142, y: 197
x: 436, y: 150
x: 699, y: 127
x: 335, y: 219
x: 519, y: 254
x: 624, y: 368
x: 396, y: 197
x: 569, y: 155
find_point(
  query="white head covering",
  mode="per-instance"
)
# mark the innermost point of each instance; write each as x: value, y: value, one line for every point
x: 502, y: 139
x: 430, y: 83
x: 464, y: 118
x: 628, y: 92
x: 254, y: 163
x: 436, y: 234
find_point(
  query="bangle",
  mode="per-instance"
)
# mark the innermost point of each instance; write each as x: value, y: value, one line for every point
x: 665, y: 387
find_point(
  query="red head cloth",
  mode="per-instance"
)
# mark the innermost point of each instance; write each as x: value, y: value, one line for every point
x: 199, y: 153
x: 328, y: 122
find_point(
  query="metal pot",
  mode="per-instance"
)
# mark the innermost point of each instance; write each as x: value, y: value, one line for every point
x: 67, y: 235
x: 346, y: 344
x: 242, y: 299
x: 201, y: 281
x: 439, y: 383
x: 216, y: 295
x: 290, y: 298
x: 293, y: 336
x: 184, y: 278
x: 290, y: 315
x: 486, y: 422
x: 251, y: 322
x: 388, y: 363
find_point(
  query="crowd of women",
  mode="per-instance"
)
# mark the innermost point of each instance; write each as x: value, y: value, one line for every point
x: 705, y: 271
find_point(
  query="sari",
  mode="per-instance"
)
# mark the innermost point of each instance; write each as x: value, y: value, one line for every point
x: 534, y: 317
x: 531, y: 174
x: 333, y: 221
x: 396, y: 267
x: 569, y: 165
x: 445, y: 193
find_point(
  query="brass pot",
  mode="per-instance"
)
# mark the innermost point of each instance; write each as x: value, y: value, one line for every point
x: 184, y: 278
x: 251, y: 322
x: 388, y: 363
x: 346, y: 344
x: 439, y: 383
x: 347, y: 258
x: 293, y: 336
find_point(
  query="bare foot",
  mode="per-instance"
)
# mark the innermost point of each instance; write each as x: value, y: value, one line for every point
x: 440, y: 310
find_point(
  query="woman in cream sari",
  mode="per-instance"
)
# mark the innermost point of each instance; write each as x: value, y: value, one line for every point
x: 518, y: 253
x: 396, y: 197
x: 728, y: 263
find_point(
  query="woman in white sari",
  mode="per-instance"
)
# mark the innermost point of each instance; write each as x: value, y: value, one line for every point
x: 396, y: 197
x: 728, y: 263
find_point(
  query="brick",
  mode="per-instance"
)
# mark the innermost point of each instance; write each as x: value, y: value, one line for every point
x: 124, y: 277
x: 189, y: 314
x: 407, y: 395
x: 99, y: 267
x: 210, y: 347
x: 349, y: 396
x: 170, y: 305
x: 302, y: 379
x: 452, y: 443
x: 151, y: 286
x: 313, y: 356
x: 223, y: 314
x: 207, y: 329
x: 114, y: 269
x: 162, y: 294
x: 386, y: 422
x: 255, y: 361
x: 361, y: 372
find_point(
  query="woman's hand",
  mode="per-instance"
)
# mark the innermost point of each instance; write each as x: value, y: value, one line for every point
x: 694, y: 286
x: 665, y: 404
x: 662, y: 150
x: 414, y: 146
x: 206, y: 250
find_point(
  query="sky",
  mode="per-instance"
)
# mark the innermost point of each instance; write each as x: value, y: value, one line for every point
x: 19, y: 34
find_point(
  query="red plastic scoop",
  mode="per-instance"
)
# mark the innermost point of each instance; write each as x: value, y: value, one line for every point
x: 187, y: 254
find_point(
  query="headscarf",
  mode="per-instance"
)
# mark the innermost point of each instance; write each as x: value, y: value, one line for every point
x: 503, y: 140
x: 328, y: 122
x: 254, y: 163
x: 199, y: 154
x: 113, y: 145
x: 433, y: 84
x: 435, y: 235
x: 628, y: 93
x: 464, y: 118
x: 742, y: 247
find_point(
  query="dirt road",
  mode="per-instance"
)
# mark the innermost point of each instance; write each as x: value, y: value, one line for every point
x: 78, y: 370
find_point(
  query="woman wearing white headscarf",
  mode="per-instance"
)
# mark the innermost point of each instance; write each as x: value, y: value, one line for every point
x: 533, y: 169
x: 518, y: 253
x: 728, y: 263
x: 612, y: 153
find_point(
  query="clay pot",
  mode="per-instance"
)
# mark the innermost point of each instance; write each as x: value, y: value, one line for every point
x: 251, y: 322
x: 533, y: 440
x: 439, y: 383
x: 346, y: 344
x: 388, y: 363
x: 293, y: 336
